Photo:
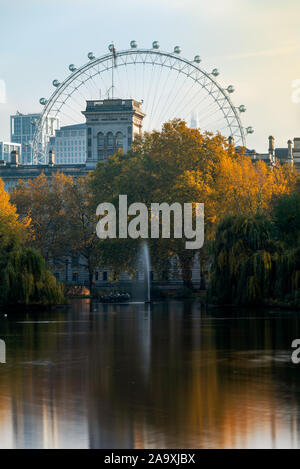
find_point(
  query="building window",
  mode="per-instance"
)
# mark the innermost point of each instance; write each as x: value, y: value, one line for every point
x: 100, y: 140
x: 110, y: 140
x: 105, y: 276
x: 119, y: 140
x: 100, y: 145
x: 96, y: 276
x: 109, y: 144
x: 75, y: 277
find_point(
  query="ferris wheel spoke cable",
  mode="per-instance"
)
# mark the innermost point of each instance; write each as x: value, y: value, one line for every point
x: 205, y: 118
x: 177, y: 106
x: 193, y: 98
x: 165, y: 104
x: 162, y: 92
x: 77, y: 111
x: 197, y: 105
x: 129, y: 81
x: 158, y: 81
x: 96, y: 87
x: 83, y: 84
x: 175, y: 95
x: 78, y: 89
x: 149, y: 94
x: 79, y: 104
x: 120, y: 82
x: 69, y: 117
x: 68, y: 96
x: 214, y: 122
x: 104, y: 84
x: 90, y: 79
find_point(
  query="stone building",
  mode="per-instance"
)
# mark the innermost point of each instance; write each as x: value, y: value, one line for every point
x: 289, y: 154
x: 111, y: 124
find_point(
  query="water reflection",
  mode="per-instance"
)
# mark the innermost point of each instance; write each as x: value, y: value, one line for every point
x: 133, y: 376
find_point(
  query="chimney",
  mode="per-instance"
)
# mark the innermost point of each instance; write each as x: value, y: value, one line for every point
x: 271, y: 148
x: 14, y: 158
x: 290, y: 152
x: 51, y: 158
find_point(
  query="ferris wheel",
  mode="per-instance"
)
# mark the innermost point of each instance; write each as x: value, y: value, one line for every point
x: 168, y: 86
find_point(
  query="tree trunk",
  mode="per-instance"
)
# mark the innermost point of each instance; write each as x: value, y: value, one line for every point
x: 202, y: 275
x: 186, y: 271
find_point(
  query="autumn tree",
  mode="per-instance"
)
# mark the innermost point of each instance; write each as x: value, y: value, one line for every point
x: 42, y: 200
x: 62, y: 224
x: 244, y: 187
x: 177, y: 164
x: 24, y: 278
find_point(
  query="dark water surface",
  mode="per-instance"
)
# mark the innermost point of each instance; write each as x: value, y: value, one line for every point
x: 159, y: 376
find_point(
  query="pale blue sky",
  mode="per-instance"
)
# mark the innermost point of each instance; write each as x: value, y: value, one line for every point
x: 254, y: 43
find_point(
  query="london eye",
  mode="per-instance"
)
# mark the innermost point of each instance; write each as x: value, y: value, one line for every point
x: 168, y: 86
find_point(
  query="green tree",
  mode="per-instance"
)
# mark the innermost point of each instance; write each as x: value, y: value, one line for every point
x: 243, y: 271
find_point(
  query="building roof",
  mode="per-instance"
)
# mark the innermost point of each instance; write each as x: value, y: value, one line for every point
x: 112, y: 105
x: 73, y: 127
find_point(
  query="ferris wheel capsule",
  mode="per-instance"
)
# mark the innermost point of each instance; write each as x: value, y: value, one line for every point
x: 230, y: 89
x: 242, y: 108
x: 250, y: 130
x: 133, y: 44
x: 91, y: 55
x: 177, y: 50
x: 111, y: 47
x: 55, y: 83
x: 72, y: 68
x: 197, y: 59
x: 215, y: 72
x: 43, y: 101
x: 155, y: 45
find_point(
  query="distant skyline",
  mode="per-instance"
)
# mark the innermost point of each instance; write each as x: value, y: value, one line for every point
x: 254, y: 43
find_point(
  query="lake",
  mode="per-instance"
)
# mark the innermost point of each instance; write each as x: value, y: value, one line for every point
x: 166, y: 375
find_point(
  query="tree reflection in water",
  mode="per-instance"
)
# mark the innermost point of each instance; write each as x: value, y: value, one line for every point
x: 165, y: 375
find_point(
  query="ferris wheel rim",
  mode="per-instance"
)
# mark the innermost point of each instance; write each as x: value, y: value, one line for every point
x: 135, y: 52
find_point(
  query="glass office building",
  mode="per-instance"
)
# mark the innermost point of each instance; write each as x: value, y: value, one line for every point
x: 22, y: 130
